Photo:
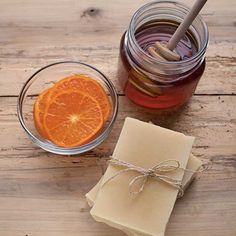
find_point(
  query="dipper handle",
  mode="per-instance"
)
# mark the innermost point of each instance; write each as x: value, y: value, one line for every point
x: 179, y: 33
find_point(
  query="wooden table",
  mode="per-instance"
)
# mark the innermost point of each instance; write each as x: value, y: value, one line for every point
x: 43, y: 194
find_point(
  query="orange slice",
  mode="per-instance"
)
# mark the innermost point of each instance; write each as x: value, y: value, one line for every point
x: 86, y: 85
x: 39, y: 109
x: 72, y: 118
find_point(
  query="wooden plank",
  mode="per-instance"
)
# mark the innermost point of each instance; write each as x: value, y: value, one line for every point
x: 219, y: 76
x: 51, y: 202
x: 67, y: 13
x: 31, y: 37
x: 211, y: 119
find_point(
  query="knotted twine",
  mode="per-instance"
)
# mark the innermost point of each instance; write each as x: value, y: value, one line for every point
x: 157, y: 172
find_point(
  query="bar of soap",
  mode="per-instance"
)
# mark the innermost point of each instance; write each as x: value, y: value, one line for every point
x: 194, y: 165
x: 144, y: 145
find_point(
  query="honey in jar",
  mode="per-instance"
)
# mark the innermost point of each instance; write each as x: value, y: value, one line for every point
x: 154, y: 83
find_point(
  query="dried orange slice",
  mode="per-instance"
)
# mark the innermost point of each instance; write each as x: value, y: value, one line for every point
x: 39, y: 108
x: 72, y: 118
x: 87, y: 85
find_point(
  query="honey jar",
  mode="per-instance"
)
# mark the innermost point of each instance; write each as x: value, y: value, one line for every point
x: 154, y: 83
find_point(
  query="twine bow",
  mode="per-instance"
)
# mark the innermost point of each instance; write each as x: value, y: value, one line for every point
x: 157, y: 172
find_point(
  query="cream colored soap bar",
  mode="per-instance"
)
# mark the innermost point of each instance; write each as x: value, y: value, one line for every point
x: 193, y: 165
x: 144, y: 145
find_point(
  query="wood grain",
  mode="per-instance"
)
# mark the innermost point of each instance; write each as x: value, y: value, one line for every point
x: 43, y: 194
x: 219, y: 76
x: 202, y: 118
x: 90, y: 31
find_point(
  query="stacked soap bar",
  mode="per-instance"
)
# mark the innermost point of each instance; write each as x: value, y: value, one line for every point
x: 147, y: 213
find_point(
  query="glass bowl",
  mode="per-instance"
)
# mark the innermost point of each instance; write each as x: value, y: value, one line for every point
x: 47, y: 77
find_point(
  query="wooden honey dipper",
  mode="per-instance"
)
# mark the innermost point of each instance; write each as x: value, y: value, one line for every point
x: 165, y: 52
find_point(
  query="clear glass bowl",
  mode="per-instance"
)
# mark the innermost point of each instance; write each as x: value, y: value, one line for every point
x: 45, y: 78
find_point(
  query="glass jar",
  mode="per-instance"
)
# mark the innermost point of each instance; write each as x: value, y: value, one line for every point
x: 153, y: 83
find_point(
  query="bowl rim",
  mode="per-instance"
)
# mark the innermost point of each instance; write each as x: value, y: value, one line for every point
x: 50, y: 147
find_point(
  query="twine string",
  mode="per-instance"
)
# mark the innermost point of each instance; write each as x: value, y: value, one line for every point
x: 157, y: 172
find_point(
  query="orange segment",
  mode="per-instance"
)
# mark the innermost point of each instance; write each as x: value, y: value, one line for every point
x: 72, y: 118
x: 39, y: 108
x: 87, y: 85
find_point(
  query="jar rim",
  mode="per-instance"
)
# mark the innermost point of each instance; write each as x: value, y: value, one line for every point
x: 131, y: 34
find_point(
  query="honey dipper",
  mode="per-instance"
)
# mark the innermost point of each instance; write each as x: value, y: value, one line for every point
x: 165, y: 51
